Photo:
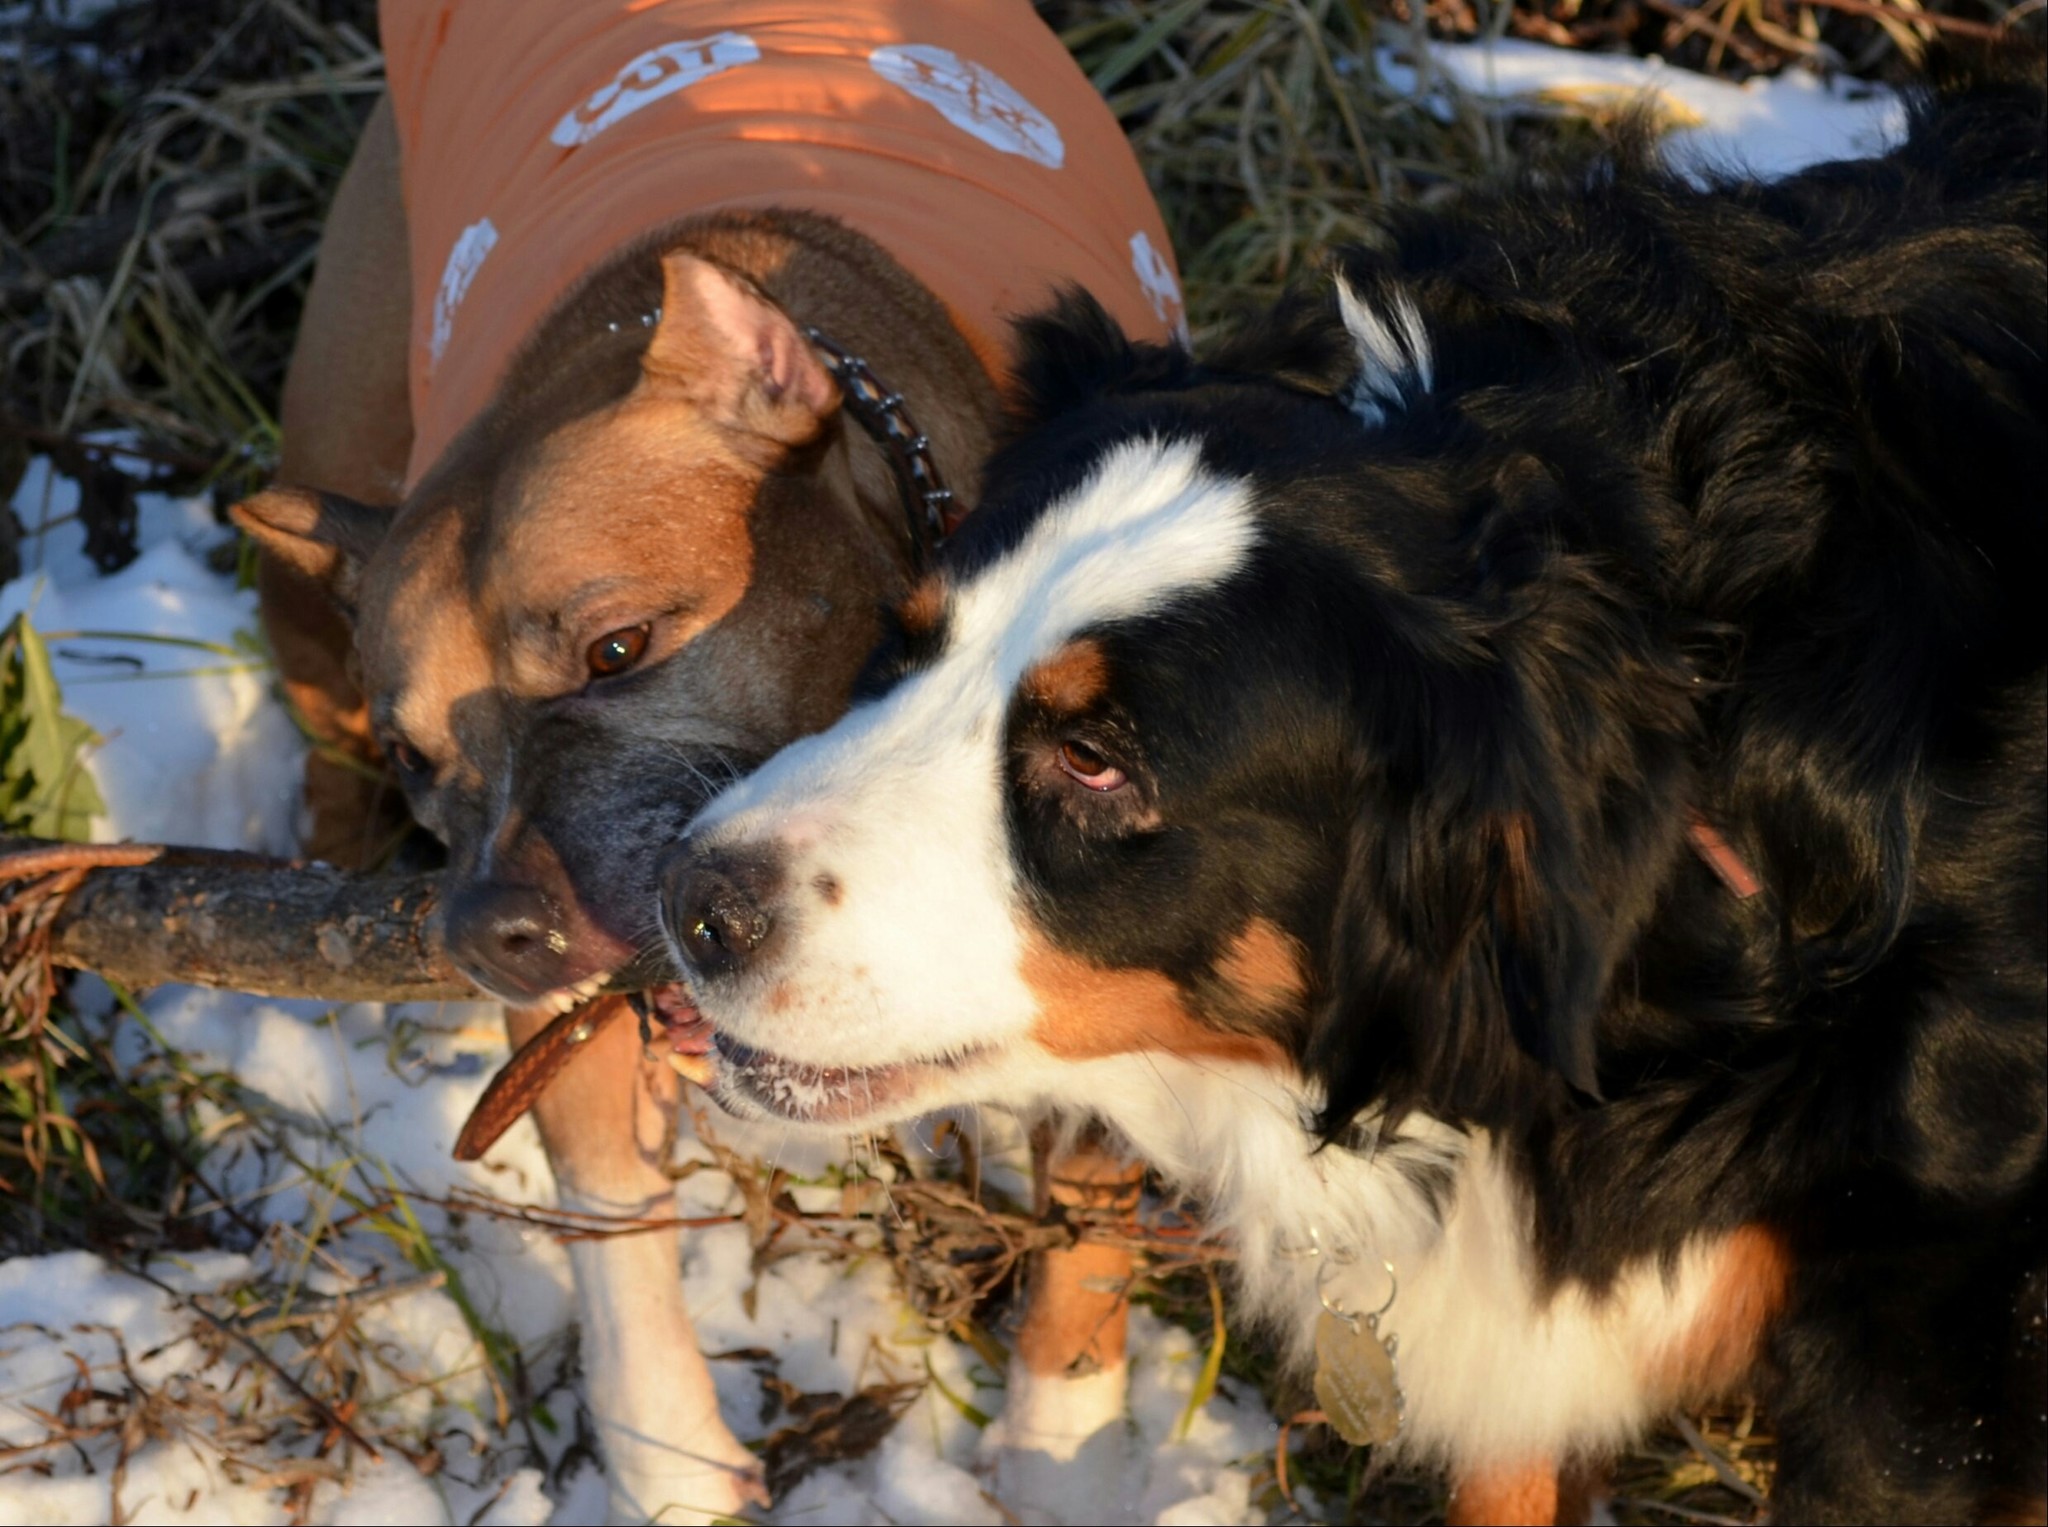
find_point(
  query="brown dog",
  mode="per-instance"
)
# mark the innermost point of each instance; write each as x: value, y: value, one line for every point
x: 581, y: 493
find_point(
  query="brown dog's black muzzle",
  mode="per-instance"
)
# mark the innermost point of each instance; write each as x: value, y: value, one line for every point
x: 719, y: 906
x: 513, y: 940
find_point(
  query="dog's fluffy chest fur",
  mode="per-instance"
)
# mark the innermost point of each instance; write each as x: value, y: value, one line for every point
x: 1492, y: 1363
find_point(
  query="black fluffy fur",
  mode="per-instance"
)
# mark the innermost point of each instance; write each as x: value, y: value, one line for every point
x: 1726, y: 503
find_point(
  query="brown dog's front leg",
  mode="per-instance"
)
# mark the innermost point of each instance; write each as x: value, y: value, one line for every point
x: 1538, y: 1493
x: 1067, y: 1378
x: 668, y: 1453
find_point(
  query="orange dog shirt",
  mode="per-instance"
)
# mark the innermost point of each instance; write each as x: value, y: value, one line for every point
x: 540, y: 136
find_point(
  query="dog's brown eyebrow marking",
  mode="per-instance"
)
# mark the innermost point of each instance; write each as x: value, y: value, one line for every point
x: 1071, y: 680
x: 923, y: 608
x: 569, y: 612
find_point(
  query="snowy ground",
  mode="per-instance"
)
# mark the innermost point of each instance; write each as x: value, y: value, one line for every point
x: 1766, y: 126
x: 196, y: 751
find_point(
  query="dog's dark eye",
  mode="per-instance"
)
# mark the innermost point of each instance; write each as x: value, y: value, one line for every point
x: 616, y: 651
x: 409, y: 759
x: 1088, y: 767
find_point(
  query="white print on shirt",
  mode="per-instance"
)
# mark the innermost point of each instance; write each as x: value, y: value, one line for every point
x: 477, y: 240
x: 1155, y: 277
x: 973, y: 99
x: 654, y: 74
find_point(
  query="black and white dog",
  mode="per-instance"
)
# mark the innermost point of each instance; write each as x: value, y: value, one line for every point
x: 1526, y: 774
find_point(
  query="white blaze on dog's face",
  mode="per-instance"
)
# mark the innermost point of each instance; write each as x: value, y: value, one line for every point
x: 853, y: 913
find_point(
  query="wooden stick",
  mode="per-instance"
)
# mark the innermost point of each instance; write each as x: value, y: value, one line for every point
x: 145, y: 915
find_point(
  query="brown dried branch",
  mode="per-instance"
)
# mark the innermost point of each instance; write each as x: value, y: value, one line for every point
x: 1876, y: 11
x: 144, y: 915
x: 335, y: 1421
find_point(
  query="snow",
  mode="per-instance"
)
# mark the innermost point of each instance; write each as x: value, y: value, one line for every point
x: 1766, y: 126
x: 197, y: 750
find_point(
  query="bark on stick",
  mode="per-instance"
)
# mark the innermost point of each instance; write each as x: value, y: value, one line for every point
x: 275, y: 927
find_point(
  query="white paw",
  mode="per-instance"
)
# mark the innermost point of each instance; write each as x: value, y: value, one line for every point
x: 1059, y: 1445
x: 1057, y: 1415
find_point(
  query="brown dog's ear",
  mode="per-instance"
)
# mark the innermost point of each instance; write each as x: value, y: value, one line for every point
x: 737, y: 355
x: 326, y: 537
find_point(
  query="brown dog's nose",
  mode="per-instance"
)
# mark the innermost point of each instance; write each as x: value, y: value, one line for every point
x: 508, y: 938
x: 717, y: 907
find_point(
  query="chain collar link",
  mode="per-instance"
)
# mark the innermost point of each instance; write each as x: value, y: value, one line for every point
x: 928, y: 503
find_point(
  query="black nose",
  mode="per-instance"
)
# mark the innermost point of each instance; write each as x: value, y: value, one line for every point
x: 510, y: 938
x: 717, y: 905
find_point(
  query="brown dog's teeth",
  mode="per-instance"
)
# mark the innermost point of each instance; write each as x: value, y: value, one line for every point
x: 693, y: 1068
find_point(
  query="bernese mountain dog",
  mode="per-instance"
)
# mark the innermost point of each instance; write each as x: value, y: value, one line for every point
x: 1519, y: 784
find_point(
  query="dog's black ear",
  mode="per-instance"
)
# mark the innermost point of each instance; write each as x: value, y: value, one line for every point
x: 1467, y: 960
x: 1300, y: 344
x: 1523, y: 767
x: 323, y: 536
x: 1074, y: 352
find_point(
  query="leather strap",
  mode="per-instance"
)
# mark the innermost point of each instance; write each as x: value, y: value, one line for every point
x: 526, y: 1075
x: 1728, y: 866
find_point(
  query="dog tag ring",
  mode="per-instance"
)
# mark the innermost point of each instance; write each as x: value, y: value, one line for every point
x: 1356, y: 1383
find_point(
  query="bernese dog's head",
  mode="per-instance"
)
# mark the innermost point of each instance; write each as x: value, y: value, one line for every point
x: 1264, y: 714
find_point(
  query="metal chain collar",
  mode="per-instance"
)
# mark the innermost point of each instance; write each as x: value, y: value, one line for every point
x: 927, y: 502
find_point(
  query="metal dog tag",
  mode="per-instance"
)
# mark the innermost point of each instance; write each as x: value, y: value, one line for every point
x: 1355, y: 1381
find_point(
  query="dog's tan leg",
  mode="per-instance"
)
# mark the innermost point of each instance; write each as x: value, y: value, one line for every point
x: 605, y: 1122
x: 1067, y: 1378
x: 347, y: 426
x: 1526, y: 1493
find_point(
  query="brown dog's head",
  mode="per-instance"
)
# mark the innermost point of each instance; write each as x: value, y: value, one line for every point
x: 660, y: 555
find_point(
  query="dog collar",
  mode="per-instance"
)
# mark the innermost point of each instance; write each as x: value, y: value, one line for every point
x: 928, y: 504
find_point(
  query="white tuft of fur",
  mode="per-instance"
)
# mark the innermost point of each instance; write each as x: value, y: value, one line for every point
x: 1055, y: 1414
x: 1494, y: 1367
x: 1395, y: 363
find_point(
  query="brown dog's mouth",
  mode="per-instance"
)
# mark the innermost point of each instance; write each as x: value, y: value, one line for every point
x: 810, y: 1094
x: 672, y: 1027
x: 561, y: 1000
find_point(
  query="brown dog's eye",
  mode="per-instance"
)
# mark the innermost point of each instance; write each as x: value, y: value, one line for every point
x: 616, y: 651
x: 1086, y: 766
x: 409, y: 759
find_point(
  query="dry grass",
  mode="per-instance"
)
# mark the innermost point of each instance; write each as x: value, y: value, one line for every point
x: 164, y: 167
